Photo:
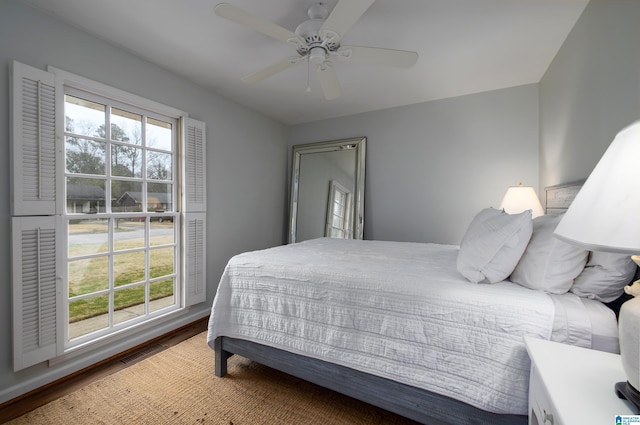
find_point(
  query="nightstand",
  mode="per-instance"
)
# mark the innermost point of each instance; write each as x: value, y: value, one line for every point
x: 573, y: 386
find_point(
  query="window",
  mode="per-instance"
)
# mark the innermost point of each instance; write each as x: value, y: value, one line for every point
x: 121, y: 254
x: 108, y: 205
x: 339, y: 212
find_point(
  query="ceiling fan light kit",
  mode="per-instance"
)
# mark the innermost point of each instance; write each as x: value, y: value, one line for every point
x: 317, y: 40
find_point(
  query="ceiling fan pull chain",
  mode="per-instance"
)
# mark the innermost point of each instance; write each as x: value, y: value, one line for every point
x: 308, y: 72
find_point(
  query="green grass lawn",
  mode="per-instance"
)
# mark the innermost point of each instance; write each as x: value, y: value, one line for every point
x: 91, y: 275
x: 94, y: 306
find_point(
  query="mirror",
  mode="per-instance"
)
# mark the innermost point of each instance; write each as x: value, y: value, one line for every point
x: 327, y: 190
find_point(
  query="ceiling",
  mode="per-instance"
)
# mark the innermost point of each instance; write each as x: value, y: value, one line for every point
x: 464, y: 47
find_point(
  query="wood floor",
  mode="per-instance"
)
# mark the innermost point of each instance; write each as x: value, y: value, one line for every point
x: 41, y: 396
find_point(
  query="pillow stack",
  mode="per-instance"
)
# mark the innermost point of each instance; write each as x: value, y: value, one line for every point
x: 498, y: 246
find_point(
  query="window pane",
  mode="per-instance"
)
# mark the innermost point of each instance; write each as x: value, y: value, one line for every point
x: 88, y: 237
x: 85, y: 195
x: 88, y: 276
x: 129, y: 233
x: 94, y: 308
x: 128, y: 268
x: 126, y: 195
x: 128, y: 304
x: 85, y: 156
x: 161, y: 294
x: 159, y: 197
x: 126, y: 161
x: 158, y: 134
x: 159, y: 165
x: 86, y: 326
x: 162, y: 231
x: 92, y: 323
x: 84, y: 117
x: 126, y: 126
x: 336, y: 222
x: 161, y: 262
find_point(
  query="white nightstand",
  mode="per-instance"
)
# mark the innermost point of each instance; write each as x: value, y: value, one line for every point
x: 573, y: 386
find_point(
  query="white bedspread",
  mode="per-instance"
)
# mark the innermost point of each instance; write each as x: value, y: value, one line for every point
x: 396, y: 310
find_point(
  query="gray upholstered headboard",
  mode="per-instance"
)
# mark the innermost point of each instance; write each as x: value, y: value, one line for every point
x: 559, y: 197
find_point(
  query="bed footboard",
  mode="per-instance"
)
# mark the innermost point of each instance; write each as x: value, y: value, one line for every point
x: 414, y: 403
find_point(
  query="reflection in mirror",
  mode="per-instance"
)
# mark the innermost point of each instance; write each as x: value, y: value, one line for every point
x: 339, y: 212
x: 327, y: 190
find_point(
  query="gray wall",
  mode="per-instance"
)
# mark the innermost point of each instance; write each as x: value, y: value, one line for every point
x: 591, y: 90
x: 431, y: 167
x: 246, y: 163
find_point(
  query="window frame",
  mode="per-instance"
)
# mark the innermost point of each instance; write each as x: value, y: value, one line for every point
x: 111, y: 98
x: 113, y: 325
x: 343, y: 230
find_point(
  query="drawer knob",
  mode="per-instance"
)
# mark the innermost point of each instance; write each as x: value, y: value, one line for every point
x: 547, y: 417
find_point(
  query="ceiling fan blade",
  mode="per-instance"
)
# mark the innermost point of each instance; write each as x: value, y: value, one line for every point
x: 253, y: 22
x: 344, y: 15
x: 378, y: 56
x: 329, y: 81
x: 271, y: 70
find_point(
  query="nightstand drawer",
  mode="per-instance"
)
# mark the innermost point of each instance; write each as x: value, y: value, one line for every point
x: 541, y: 410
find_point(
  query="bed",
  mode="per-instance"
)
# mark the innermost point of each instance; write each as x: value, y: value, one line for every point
x: 411, y: 327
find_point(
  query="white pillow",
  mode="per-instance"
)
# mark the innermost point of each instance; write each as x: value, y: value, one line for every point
x: 548, y: 263
x: 493, y: 244
x: 605, y: 276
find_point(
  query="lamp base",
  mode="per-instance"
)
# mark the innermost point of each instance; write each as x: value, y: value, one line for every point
x: 625, y: 390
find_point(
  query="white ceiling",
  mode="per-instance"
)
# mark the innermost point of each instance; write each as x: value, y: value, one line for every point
x: 464, y: 46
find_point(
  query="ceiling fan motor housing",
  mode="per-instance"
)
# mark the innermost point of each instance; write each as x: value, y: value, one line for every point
x: 318, y: 45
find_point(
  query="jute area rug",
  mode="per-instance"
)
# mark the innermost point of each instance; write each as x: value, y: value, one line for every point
x: 177, y: 386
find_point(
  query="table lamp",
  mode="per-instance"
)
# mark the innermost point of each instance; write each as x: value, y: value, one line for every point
x: 521, y: 198
x: 605, y: 216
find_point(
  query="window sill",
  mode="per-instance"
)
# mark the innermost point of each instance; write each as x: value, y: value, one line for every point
x: 114, y: 338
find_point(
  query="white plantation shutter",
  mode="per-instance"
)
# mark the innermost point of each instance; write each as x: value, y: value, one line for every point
x: 195, y: 171
x: 33, y: 155
x: 195, y: 207
x: 35, y: 229
x: 36, y: 292
x: 195, y: 287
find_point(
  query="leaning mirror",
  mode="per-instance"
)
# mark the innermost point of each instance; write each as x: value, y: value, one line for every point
x: 327, y: 190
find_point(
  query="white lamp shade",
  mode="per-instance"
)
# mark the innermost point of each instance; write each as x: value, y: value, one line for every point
x: 521, y: 198
x: 605, y: 215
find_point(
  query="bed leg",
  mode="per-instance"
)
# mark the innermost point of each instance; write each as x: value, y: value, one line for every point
x: 221, y: 358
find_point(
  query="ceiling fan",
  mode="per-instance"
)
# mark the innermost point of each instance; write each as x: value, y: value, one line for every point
x: 317, y: 40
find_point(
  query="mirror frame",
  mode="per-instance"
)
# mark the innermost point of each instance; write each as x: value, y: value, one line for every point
x: 359, y: 144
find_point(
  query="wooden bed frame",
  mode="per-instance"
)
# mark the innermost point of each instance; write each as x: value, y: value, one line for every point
x: 414, y: 403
